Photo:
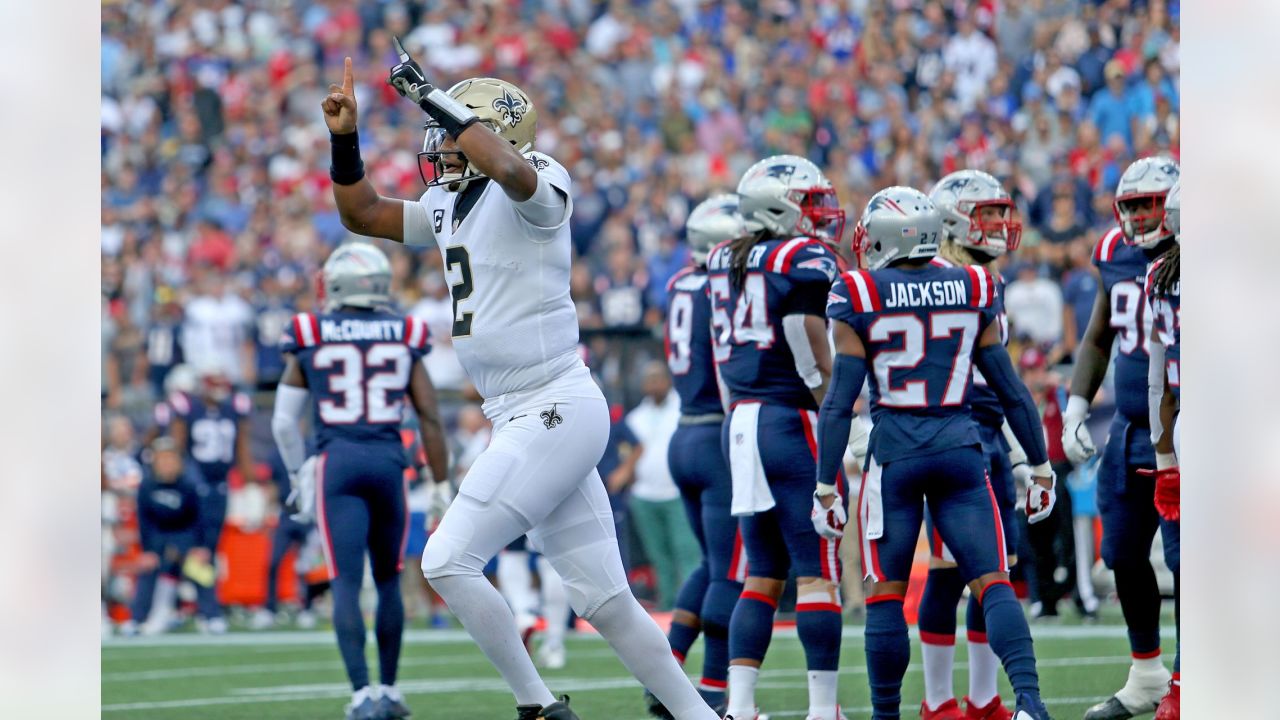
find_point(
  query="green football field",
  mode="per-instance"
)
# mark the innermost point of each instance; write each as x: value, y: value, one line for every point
x: 299, y: 675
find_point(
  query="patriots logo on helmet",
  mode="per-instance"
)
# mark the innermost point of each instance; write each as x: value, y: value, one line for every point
x: 824, y: 265
x: 511, y: 107
x: 835, y: 299
x: 782, y: 172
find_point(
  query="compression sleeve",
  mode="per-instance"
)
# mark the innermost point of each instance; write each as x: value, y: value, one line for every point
x: 290, y: 401
x: 836, y: 415
x: 801, y: 351
x: 1155, y: 387
x: 417, y: 228
x: 1019, y: 407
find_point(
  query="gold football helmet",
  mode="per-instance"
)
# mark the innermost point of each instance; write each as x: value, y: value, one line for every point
x: 500, y: 105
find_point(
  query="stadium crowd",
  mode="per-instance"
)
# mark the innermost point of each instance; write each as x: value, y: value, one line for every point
x: 216, y: 207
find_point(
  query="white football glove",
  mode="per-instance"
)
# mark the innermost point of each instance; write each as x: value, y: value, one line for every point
x: 301, y: 502
x: 859, y: 437
x: 829, y: 522
x: 1040, y: 500
x: 1076, y: 441
x: 439, y: 497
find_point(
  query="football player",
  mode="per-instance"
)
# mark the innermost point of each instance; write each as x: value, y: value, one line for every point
x: 1125, y: 484
x: 361, y: 361
x: 213, y: 428
x: 979, y: 224
x: 705, y: 602
x: 499, y: 214
x: 920, y: 329
x: 768, y: 293
x: 1164, y: 395
x: 168, y: 529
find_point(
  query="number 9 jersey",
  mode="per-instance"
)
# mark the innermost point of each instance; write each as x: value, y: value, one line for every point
x: 920, y: 327
x: 357, y: 364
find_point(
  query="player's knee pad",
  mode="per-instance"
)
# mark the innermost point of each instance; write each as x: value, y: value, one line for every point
x: 447, y: 551
x: 592, y: 574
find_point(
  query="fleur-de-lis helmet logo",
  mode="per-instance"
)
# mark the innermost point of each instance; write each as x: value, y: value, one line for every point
x: 511, y: 107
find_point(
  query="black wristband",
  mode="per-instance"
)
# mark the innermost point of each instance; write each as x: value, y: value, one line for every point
x: 447, y: 121
x: 346, y: 167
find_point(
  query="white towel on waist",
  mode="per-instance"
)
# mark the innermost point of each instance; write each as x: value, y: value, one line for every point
x: 871, y: 508
x: 751, y: 492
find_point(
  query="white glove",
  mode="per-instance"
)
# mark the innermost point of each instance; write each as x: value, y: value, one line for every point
x: 439, y: 497
x: 1022, y: 474
x: 829, y: 521
x: 1076, y: 441
x: 1040, y: 500
x: 859, y: 437
x: 301, y: 502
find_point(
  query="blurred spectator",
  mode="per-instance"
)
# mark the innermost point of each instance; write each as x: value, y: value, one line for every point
x: 656, y: 507
x: 1110, y: 109
x: 216, y: 330
x: 1079, y: 291
x: 1034, y: 306
x: 971, y: 56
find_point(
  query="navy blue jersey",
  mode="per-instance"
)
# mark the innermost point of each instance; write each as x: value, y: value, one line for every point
x: 270, y: 320
x: 784, y: 277
x: 212, y: 430
x: 986, y: 406
x: 1166, y: 327
x: 357, y: 364
x: 1123, y: 268
x: 165, y: 508
x: 920, y: 327
x: 688, y: 342
x: 164, y: 351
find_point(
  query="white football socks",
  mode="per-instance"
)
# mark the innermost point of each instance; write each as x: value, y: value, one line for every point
x: 984, y: 667
x: 742, y: 691
x: 1148, y: 681
x: 555, y: 603
x: 643, y: 648
x: 488, y: 620
x: 822, y: 694
x: 939, y: 663
x: 515, y: 582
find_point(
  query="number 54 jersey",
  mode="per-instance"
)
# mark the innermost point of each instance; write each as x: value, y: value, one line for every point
x: 751, y: 345
x: 357, y: 364
x: 920, y: 327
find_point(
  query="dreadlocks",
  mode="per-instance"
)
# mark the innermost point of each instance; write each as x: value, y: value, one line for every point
x: 741, y: 250
x: 1166, y: 275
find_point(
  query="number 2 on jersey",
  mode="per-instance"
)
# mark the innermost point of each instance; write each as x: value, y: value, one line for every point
x: 458, y: 255
x: 942, y: 325
x: 363, y: 398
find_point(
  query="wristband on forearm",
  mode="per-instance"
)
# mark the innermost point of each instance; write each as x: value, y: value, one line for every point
x: 452, y: 115
x: 346, y: 167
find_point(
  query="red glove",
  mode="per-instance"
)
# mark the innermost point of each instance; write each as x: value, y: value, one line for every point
x: 1168, y: 493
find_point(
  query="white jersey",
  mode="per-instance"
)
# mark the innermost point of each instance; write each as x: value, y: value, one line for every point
x: 514, y: 326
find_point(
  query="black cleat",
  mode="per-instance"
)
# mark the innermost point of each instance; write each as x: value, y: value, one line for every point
x: 558, y: 710
x: 366, y: 710
x: 655, y: 707
x: 390, y: 709
x: 1111, y: 709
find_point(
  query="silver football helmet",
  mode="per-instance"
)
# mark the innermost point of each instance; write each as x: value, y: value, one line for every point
x: 1173, y: 212
x: 357, y: 274
x: 1140, y: 196
x: 787, y: 195
x: 714, y: 221
x: 962, y: 199
x: 900, y: 223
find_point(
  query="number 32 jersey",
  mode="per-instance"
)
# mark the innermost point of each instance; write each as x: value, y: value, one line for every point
x: 514, y: 324
x: 920, y: 328
x: 357, y: 365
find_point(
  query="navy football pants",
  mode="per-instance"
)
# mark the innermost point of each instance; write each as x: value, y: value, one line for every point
x: 363, y: 505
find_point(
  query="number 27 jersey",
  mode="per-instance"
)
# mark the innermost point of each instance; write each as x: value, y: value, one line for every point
x: 357, y: 365
x: 920, y: 328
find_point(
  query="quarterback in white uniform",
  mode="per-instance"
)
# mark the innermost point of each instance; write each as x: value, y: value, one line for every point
x: 499, y: 214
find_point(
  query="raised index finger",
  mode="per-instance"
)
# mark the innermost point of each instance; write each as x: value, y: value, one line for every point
x: 348, y: 82
x: 404, y: 56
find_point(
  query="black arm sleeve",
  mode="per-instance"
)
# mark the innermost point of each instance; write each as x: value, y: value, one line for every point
x: 1019, y: 407
x: 836, y: 415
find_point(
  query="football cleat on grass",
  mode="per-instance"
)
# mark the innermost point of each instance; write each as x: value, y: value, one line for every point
x: 551, y: 658
x: 558, y: 710
x: 363, y: 706
x: 306, y: 620
x: 1170, y: 706
x: 263, y: 619
x: 994, y: 710
x: 391, y: 704
x: 949, y: 710
x: 1140, y: 695
x: 839, y: 716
